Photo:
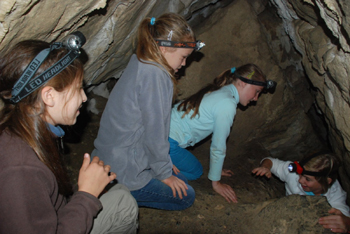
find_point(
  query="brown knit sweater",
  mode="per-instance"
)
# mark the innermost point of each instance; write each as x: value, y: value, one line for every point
x: 29, y: 198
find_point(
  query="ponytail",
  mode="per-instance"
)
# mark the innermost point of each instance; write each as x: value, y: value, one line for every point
x: 160, y: 28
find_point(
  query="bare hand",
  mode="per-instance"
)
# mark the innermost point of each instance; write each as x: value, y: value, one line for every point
x: 225, y: 190
x: 176, y: 185
x: 93, y: 177
x: 337, y: 222
x: 175, y: 169
x: 262, y: 171
x: 226, y: 172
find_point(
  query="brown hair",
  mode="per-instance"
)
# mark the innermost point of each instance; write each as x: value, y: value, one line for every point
x: 324, y: 163
x: 225, y: 78
x: 147, y: 47
x: 24, y: 119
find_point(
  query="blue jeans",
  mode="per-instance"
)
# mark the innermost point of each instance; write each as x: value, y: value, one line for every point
x: 185, y: 161
x: 157, y: 194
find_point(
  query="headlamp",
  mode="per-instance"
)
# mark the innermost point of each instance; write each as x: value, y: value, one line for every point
x: 291, y: 167
x: 296, y: 167
x: 74, y: 41
x: 26, y: 84
x: 199, y: 45
x: 196, y: 45
x: 269, y: 84
x: 299, y: 168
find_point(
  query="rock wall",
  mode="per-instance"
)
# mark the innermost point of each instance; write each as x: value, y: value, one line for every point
x: 319, y: 32
x: 109, y: 26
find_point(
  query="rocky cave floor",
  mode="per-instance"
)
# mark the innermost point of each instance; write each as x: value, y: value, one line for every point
x: 210, y: 212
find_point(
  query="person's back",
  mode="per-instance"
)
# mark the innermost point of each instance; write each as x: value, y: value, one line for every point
x: 219, y: 105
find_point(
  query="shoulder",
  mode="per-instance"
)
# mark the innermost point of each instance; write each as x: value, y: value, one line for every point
x: 148, y: 66
x: 336, y: 188
x: 141, y: 70
x: 16, y: 155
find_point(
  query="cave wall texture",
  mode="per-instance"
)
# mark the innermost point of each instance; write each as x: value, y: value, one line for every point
x: 304, y: 45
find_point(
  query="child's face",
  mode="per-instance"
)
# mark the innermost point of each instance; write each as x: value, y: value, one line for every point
x: 176, y: 58
x: 67, y: 105
x: 249, y: 93
x: 310, y: 184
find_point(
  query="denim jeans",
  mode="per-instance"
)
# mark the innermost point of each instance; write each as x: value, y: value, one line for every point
x: 157, y: 194
x: 185, y: 161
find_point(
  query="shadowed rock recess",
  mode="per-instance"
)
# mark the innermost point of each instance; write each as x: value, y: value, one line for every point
x: 303, y: 45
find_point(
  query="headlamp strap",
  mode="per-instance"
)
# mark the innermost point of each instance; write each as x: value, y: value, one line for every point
x: 249, y: 81
x: 30, y: 71
x: 25, y: 85
x: 196, y: 45
x: 268, y: 84
x: 301, y: 171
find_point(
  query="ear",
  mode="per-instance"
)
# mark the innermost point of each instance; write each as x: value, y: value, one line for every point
x: 48, y: 95
x: 241, y: 83
x: 329, y: 180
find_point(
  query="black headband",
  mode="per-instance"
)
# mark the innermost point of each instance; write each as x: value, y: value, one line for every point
x: 26, y: 84
x: 299, y: 167
x: 269, y: 84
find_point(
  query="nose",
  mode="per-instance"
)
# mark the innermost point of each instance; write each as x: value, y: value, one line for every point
x: 300, y: 179
x: 183, y: 62
x: 83, y: 95
x: 256, y: 97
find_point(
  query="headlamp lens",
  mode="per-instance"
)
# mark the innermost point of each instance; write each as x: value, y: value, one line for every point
x: 75, y: 41
x: 270, y: 84
x: 290, y: 167
x: 199, y: 45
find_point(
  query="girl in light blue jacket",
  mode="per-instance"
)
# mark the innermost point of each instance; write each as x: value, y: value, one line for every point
x: 211, y: 111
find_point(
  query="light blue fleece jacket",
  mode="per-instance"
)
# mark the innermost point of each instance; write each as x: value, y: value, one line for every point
x: 216, y: 113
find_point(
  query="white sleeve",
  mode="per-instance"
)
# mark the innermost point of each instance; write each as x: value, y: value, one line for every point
x: 280, y: 168
x: 336, y: 197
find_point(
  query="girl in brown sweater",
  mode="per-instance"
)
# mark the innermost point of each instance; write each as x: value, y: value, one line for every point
x: 41, y: 88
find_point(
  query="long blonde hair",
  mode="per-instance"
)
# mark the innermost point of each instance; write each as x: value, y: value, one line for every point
x: 147, y: 47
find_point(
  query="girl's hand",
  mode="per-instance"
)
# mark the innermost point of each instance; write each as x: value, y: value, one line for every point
x: 175, y: 169
x: 225, y: 190
x: 176, y: 185
x: 262, y: 171
x: 93, y: 177
x: 226, y: 172
x: 337, y: 223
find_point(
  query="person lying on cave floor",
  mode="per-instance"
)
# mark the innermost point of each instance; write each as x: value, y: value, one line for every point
x: 316, y: 175
x: 211, y: 111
